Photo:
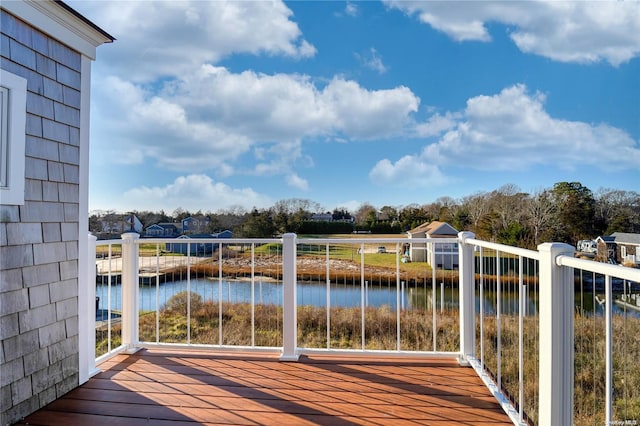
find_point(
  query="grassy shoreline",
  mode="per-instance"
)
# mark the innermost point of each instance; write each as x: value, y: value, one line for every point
x: 416, y: 335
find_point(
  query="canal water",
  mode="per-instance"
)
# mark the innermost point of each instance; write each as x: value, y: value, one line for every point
x: 342, y: 295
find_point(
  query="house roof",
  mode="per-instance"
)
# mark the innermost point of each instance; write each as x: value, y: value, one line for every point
x: 435, y: 228
x: 222, y: 234
x: 197, y: 236
x: 164, y: 225
x: 199, y: 217
x: 626, y: 238
x: 109, y: 38
x: 606, y: 239
x: 61, y: 22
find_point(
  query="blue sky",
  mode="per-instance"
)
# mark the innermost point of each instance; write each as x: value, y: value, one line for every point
x: 216, y: 105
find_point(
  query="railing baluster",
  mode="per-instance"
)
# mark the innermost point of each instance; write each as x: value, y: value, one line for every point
x: 253, y: 294
x: 362, y: 296
x: 157, y: 292
x: 328, y: 279
x: 220, y: 294
x: 109, y: 301
x: 498, y: 314
x: 481, y: 284
x: 432, y: 261
x: 521, y: 289
x: 608, y: 350
x: 188, y: 293
x: 399, y: 293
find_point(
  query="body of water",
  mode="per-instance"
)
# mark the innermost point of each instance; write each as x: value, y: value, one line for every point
x: 267, y: 292
x: 341, y: 295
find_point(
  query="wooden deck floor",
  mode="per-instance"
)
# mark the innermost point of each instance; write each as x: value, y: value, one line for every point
x: 155, y: 387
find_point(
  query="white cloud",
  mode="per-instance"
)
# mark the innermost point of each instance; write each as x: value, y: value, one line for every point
x: 295, y: 181
x: 280, y: 159
x: 511, y: 131
x: 194, y: 192
x: 136, y: 124
x: 575, y: 31
x: 361, y: 113
x: 409, y: 170
x: 350, y: 205
x: 351, y: 9
x: 372, y: 60
x: 436, y: 124
x: 162, y: 100
x: 211, y: 117
x: 156, y: 38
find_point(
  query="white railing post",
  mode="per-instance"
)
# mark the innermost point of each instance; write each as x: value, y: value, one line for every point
x: 130, y: 291
x: 556, y: 301
x: 289, y: 300
x: 87, y: 314
x: 466, y: 287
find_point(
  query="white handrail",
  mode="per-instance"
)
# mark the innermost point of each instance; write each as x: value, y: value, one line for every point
x: 617, y: 271
x: 532, y: 254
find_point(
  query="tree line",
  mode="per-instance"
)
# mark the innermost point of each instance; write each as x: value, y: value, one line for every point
x: 566, y: 212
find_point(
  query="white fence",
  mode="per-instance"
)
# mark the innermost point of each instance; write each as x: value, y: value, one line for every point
x: 510, y: 313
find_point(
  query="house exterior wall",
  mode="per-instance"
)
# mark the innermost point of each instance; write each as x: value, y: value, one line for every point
x: 418, y: 251
x: 195, y: 224
x: 193, y: 247
x: 39, y: 240
x: 628, y: 253
x: 444, y: 255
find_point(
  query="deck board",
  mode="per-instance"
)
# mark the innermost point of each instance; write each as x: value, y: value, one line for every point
x: 155, y: 387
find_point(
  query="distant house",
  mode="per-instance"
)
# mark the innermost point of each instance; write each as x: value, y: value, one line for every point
x: 162, y: 230
x: 195, y: 224
x: 193, y: 247
x: 382, y: 216
x: 322, y: 217
x: 117, y: 224
x: 628, y: 247
x: 619, y: 247
x: 222, y: 234
x: 441, y: 255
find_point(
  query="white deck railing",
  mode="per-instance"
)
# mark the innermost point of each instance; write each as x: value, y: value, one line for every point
x: 511, y: 310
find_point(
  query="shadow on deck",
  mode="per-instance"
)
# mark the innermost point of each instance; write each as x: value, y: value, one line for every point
x: 162, y: 387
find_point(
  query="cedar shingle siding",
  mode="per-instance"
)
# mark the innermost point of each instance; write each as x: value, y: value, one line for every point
x: 39, y: 250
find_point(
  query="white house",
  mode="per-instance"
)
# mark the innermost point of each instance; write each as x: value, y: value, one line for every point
x: 441, y: 255
x: 47, y: 50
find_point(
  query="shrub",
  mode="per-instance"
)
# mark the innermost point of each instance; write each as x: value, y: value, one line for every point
x: 178, y: 302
